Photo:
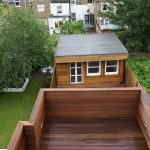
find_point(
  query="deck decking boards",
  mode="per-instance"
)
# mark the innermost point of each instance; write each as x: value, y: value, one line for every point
x: 104, y: 134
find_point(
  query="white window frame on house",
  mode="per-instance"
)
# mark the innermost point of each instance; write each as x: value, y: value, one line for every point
x: 17, y: 1
x: 105, y: 22
x: 102, y: 6
x: 96, y: 73
x: 112, y: 66
x: 76, y: 75
x: 59, y: 9
x: 40, y: 7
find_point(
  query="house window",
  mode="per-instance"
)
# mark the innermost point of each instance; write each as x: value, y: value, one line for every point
x: 104, y: 6
x: 75, y: 73
x: 90, y: 1
x: 93, y: 68
x: 73, y: 2
x: 111, y: 67
x: 104, y: 21
x: 73, y: 16
x: 17, y: 3
x: 40, y: 7
x: 59, y: 9
x: 30, y: 2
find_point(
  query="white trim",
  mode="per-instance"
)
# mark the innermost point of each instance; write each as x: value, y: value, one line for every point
x: 102, y: 5
x: 40, y: 7
x: 112, y: 73
x: 76, y: 75
x: 18, y: 90
x: 93, y: 74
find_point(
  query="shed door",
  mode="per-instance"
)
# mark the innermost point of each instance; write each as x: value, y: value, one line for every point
x: 76, y: 73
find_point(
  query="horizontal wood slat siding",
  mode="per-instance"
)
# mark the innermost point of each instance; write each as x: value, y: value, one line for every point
x: 92, y: 104
x: 144, y: 115
x: 63, y: 76
x: 131, y: 79
x: 18, y: 141
x: 91, y: 58
x: 38, y: 116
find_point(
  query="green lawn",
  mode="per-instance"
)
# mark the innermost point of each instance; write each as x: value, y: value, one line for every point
x: 16, y: 107
x: 141, y: 68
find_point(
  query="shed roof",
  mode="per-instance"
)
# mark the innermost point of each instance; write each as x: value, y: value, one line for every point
x: 89, y: 44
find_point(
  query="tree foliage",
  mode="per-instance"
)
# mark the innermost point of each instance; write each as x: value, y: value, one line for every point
x: 24, y: 45
x: 133, y: 16
x: 73, y: 27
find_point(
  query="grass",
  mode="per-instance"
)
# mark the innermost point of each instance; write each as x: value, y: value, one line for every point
x: 16, y: 107
x: 141, y: 68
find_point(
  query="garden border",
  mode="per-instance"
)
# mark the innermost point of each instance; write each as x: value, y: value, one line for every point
x: 18, y: 90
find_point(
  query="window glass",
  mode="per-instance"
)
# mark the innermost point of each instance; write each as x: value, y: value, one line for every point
x: 111, y: 67
x: 59, y: 9
x: 104, y: 6
x: 76, y: 73
x: 93, y: 68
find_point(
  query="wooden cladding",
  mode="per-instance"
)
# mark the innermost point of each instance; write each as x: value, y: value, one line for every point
x: 27, y: 135
x: 63, y: 76
x: 84, y: 104
x: 131, y: 80
x: 91, y: 58
x: 92, y: 104
x: 144, y: 115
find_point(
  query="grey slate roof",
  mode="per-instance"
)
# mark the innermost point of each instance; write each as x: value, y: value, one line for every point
x: 89, y: 44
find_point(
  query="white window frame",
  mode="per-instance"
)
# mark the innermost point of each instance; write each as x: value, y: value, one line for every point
x: 93, y: 74
x: 112, y: 73
x: 17, y: 1
x: 104, y: 19
x: 59, y: 9
x: 76, y: 75
x: 41, y: 6
x: 102, y: 6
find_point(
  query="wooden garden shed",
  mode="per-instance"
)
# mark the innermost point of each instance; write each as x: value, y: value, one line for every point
x: 90, y: 60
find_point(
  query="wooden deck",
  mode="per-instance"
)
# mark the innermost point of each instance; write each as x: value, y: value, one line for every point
x: 109, y: 134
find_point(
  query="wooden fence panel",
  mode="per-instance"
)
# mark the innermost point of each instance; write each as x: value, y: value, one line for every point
x: 92, y: 103
x: 144, y: 115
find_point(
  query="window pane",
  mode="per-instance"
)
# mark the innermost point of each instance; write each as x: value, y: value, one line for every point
x: 78, y: 64
x: 93, y: 64
x: 93, y: 70
x: 78, y: 78
x: 73, y: 71
x: 72, y: 79
x: 79, y: 71
x: 72, y: 64
x: 111, y: 69
x: 113, y: 62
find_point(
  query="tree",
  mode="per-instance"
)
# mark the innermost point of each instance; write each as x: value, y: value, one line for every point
x: 133, y: 16
x: 72, y: 27
x: 24, y: 45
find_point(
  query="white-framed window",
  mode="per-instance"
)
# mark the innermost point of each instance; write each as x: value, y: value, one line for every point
x: 17, y: 3
x: 59, y: 9
x: 73, y: 2
x: 76, y: 73
x: 73, y: 16
x: 104, y: 21
x: 111, y: 67
x: 93, y: 68
x: 40, y: 7
x: 104, y: 6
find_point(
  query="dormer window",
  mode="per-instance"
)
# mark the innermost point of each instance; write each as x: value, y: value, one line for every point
x: 104, y: 6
